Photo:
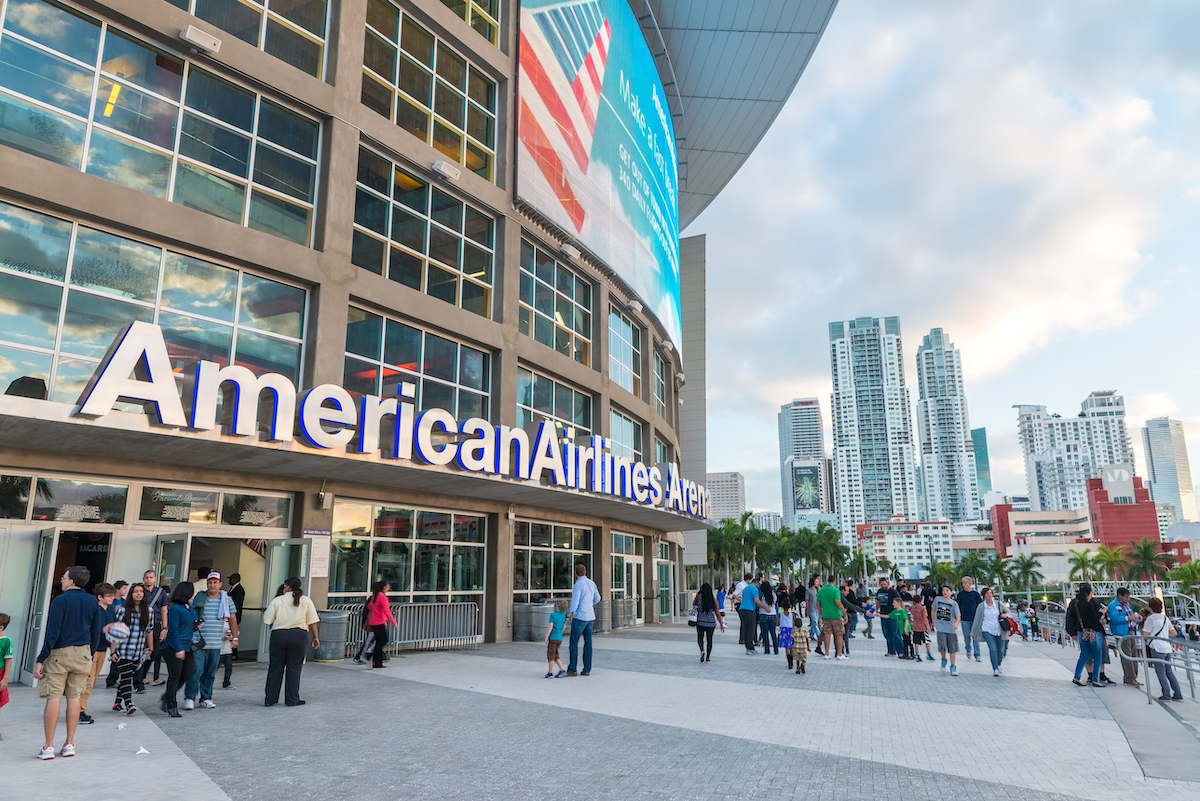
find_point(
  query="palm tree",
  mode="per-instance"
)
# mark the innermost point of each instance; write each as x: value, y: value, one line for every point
x: 1146, y: 561
x: 1188, y: 576
x: 999, y: 571
x: 973, y: 565
x: 885, y: 567
x: 941, y: 573
x: 1024, y: 570
x: 1110, y: 562
x: 861, y: 565
x: 1082, y: 565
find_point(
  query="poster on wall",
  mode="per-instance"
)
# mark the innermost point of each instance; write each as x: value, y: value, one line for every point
x: 596, y: 150
x: 806, y: 488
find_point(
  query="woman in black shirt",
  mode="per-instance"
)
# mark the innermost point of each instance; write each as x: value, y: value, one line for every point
x: 1091, y: 635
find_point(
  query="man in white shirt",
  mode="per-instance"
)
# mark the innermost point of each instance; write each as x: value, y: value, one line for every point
x: 584, y: 597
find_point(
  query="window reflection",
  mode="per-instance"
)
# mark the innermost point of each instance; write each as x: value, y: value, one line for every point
x: 115, y: 264
x: 93, y: 321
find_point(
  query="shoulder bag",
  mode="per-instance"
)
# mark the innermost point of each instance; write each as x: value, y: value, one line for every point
x: 1085, y: 635
x: 692, y: 617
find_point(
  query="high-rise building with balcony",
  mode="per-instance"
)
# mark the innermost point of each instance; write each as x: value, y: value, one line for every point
x: 949, y: 482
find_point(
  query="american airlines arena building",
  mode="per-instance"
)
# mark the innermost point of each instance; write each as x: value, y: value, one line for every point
x: 366, y: 290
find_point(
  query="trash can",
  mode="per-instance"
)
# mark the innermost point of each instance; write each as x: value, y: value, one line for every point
x: 522, y: 620
x: 603, y: 618
x: 539, y: 620
x: 332, y: 628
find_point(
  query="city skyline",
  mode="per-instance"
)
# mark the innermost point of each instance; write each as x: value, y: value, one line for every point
x: 905, y: 164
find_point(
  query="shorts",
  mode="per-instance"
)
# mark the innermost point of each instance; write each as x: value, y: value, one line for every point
x: 947, y: 641
x: 552, y: 650
x: 66, y: 672
x: 919, y: 638
x: 835, y: 625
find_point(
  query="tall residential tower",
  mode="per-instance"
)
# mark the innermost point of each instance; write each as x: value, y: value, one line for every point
x: 802, y: 448
x: 872, y: 427
x: 1167, y: 463
x: 951, y: 489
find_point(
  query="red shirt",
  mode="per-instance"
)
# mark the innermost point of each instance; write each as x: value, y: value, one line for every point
x: 919, y: 620
x: 380, y: 611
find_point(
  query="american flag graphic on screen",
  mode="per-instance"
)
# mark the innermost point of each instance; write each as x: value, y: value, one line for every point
x: 564, y: 50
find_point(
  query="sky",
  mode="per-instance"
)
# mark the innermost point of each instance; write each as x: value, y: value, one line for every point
x: 1023, y: 175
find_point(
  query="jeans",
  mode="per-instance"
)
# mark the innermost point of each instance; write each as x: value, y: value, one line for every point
x: 996, y: 647
x: 227, y: 663
x: 288, y: 647
x: 179, y: 671
x: 766, y: 624
x: 747, y: 628
x: 814, y: 625
x: 851, y: 623
x: 1166, y: 675
x: 581, y: 628
x: 969, y: 643
x: 200, y: 684
x: 892, y: 635
x: 1089, y: 652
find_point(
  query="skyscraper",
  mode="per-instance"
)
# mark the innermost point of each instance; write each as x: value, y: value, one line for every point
x: 951, y: 491
x: 1167, y: 464
x: 983, y: 465
x: 872, y: 424
x: 801, y: 436
x: 1062, y: 453
x: 728, y: 494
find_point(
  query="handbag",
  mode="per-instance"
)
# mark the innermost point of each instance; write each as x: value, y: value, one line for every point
x: 198, y: 642
x: 692, y: 617
x: 1085, y: 635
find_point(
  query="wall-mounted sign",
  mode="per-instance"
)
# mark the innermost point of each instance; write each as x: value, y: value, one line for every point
x: 137, y: 369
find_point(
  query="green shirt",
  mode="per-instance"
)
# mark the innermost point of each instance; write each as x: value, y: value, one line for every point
x: 828, y: 597
x: 901, y: 618
x: 6, y: 650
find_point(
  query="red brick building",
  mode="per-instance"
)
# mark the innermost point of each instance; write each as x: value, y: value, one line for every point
x: 1121, y: 509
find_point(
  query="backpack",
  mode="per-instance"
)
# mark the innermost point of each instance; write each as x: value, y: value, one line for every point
x: 1071, y: 624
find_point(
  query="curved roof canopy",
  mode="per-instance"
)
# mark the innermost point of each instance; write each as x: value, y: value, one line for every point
x: 735, y: 63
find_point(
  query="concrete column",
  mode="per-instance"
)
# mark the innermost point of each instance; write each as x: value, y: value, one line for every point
x: 497, y: 622
x: 307, y: 514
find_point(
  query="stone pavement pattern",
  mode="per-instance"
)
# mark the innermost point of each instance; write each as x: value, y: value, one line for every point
x: 651, y: 722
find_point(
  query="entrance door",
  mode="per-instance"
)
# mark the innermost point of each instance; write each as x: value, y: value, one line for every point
x: 39, y: 599
x: 285, y: 559
x: 171, y: 559
x: 664, y: 590
x: 633, y: 585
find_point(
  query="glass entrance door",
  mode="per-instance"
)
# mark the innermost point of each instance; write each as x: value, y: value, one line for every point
x: 285, y: 559
x: 39, y: 599
x: 633, y: 584
x: 664, y: 590
x: 171, y: 559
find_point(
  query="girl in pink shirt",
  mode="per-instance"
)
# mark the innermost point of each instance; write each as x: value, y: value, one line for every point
x: 379, y: 613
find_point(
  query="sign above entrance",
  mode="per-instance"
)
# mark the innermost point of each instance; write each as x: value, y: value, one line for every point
x: 137, y: 369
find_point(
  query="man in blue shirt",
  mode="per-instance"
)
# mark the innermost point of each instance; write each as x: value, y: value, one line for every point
x: 748, y: 613
x: 74, y: 629
x: 968, y: 601
x: 1120, y: 617
x: 584, y: 597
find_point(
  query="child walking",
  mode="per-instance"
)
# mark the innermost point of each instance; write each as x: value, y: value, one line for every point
x: 904, y: 626
x: 6, y: 659
x: 554, y: 638
x: 787, y: 627
x: 921, y: 628
x: 799, y: 650
x: 869, y: 614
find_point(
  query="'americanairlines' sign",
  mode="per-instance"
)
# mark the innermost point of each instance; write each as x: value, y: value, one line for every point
x: 137, y: 369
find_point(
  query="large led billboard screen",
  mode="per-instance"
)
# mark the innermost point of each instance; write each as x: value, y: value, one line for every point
x: 597, y: 145
x: 806, y: 487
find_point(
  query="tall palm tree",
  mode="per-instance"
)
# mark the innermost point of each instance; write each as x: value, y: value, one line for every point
x: 1110, y: 562
x: 999, y: 572
x: 885, y: 567
x: 1082, y: 565
x: 941, y: 573
x: 861, y: 565
x: 1188, y: 576
x: 1146, y: 561
x: 1024, y: 569
x: 973, y: 565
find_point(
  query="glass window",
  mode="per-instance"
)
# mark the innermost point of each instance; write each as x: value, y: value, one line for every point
x: 391, y: 561
x: 626, y: 436
x: 542, y: 398
x: 14, y: 496
x: 544, y: 559
x: 409, y: 75
x: 291, y: 30
x: 178, y: 505
x: 624, y: 351
x: 661, y: 372
x: 348, y: 565
x: 80, y: 501
x: 456, y: 238
x: 556, y: 307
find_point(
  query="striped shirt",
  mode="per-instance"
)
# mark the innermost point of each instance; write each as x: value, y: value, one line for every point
x: 134, y: 647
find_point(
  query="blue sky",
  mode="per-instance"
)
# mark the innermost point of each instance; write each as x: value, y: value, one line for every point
x: 1025, y: 175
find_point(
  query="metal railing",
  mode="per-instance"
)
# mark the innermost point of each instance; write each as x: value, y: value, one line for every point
x: 1054, y: 624
x: 422, y: 627
x: 1190, y: 662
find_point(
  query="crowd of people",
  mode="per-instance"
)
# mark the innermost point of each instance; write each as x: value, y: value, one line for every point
x: 138, y: 629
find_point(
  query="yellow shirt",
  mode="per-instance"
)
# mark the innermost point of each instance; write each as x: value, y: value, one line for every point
x: 282, y: 613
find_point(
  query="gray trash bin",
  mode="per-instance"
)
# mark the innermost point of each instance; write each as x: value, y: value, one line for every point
x: 539, y: 620
x: 332, y: 629
x: 522, y: 619
x: 603, y: 617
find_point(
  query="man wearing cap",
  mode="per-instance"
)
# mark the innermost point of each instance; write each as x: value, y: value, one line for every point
x: 217, y: 611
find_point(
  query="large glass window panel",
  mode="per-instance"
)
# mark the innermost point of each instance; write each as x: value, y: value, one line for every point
x: 273, y: 215
x: 376, y: 96
x: 41, y: 133
x: 132, y: 165
x: 432, y: 525
x: 539, y: 570
x: 271, y: 306
x: 471, y: 404
x: 70, y: 377
x: 190, y: 340
x: 33, y: 243
x: 135, y: 113
x: 402, y: 346
x: 392, y: 561
x: 563, y: 575
x: 417, y: 41
x: 410, y: 191
x: 371, y: 211
x: 262, y: 354
x: 220, y: 99
x: 520, y: 569
x: 473, y: 369
x: 348, y: 565
x: 449, y: 104
x: 451, y: 67
x: 539, y: 534
x: 284, y: 173
x: 215, y: 145
x: 447, y: 141
x: 383, y: 17
x: 412, y: 119
x: 308, y: 14
x: 467, y: 573
x: 93, y: 321
x: 374, y: 171
x: 197, y: 286
x: 394, y: 522
x: 80, y: 501
x: 289, y: 45
x: 135, y: 62
x: 478, y: 227
x: 415, y: 80
x: 379, y: 56
x: 475, y: 298
x: 408, y: 230
x: 17, y: 364
x: 368, y: 252
x: 361, y: 377
x: 114, y: 264
x: 524, y: 387
x: 288, y: 130
x: 45, y: 77
x: 431, y: 571
x: 477, y: 263
x: 407, y: 269
x: 364, y: 333
x: 66, y: 30
x: 441, y: 357
x: 240, y: 19
x: 442, y: 284
x: 209, y: 192
x: 435, y: 395
x: 443, y: 246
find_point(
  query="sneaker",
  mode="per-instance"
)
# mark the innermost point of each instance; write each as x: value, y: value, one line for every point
x: 954, y: 671
x: 207, y: 703
x: 130, y: 709
x: 752, y: 652
x: 919, y: 659
x: 46, y: 753
x: 802, y: 667
x: 85, y: 718
x: 1000, y: 670
x: 843, y: 656
x: 943, y: 664
x: 68, y: 750
x: 188, y: 703
x: 827, y: 656
x: 358, y: 661
x: 560, y: 674
x: 117, y: 707
x: 996, y: 672
x: 977, y: 659
x: 141, y: 691
x: 549, y: 676
x: 1177, y: 698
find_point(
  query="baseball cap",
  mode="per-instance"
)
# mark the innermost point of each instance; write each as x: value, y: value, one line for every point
x: 215, y: 575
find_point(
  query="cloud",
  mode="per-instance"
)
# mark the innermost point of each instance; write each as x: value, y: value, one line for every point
x: 999, y: 170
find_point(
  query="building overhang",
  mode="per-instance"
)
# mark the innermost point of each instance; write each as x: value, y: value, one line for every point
x: 32, y: 425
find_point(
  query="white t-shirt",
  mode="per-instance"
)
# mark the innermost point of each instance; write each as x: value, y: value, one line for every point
x: 991, y: 618
x: 1158, y: 627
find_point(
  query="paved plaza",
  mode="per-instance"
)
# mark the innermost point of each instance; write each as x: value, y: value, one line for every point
x: 651, y: 722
